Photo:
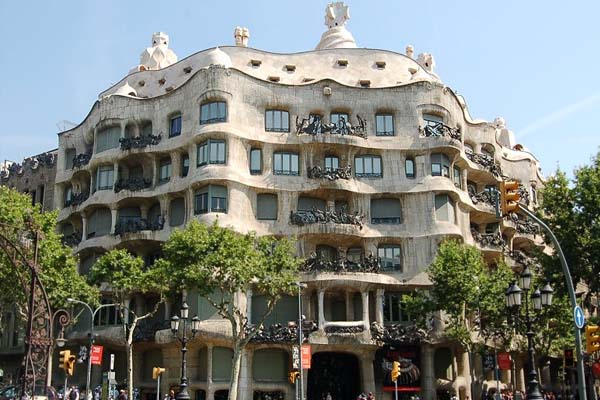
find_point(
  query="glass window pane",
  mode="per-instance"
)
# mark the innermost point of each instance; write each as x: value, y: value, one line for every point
x: 269, y: 120
x: 358, y: 166
x: 377, y: 165
x: 410, y: 168
x: 286, y: 162
x: 368, y: 165
x: 278, y: 162
x: 295, y: 164
x: 222, y: 110
x: 285, y: 120
x: 255, y: 161
x: 277, y: 120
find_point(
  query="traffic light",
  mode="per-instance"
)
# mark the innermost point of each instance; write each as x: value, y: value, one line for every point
x: 70, y: 364
x: 156, y: 372
x: 592, y: 338
x: 63, y: 357
x: 395, y: 371
x: 509, y: 197
x: 292, y: 376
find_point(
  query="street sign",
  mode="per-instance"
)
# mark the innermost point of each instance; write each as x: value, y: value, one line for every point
x: 578, y: 317
x: 504, y: 361
x: 306, y: 356
x: 97, y: 355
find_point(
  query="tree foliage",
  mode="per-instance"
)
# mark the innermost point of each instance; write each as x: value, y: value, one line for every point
x: 572, y: 210
x: 20, y: 221
x: 221, y: 265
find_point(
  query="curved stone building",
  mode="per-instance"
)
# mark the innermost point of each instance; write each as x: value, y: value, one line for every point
x: 363, y: 154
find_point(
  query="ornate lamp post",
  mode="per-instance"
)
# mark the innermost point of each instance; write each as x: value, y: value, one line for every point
x: 175, y: 323
x: 540, y: 299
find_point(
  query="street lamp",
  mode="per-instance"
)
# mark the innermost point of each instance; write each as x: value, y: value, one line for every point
x: 539, y: 298
x: 175, y: 323
x: 88, y: 393
x: 300, y: 286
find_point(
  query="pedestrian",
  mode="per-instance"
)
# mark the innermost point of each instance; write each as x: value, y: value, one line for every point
x: 122, y: 395
x: 370, y: 396
x: 328, y: 396
x: 74, y: 393
x: 172, y: 394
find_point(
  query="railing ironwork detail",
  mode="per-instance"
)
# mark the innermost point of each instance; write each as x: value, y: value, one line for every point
x: 146, y: 329
x: 33, y: 163
x: 71, y: 240
x: 487, y: 162
x: 137, y: 224
x: 524, y: 226
x: 133, y: 184
x: 313, y: 126
x: 332, y: 174
x: 333, y: 329
x: 488, y: 239
x: 139, y: 142
x: 441, y: 130
x: 313, y: 263
x: 486, y: 197
x: 76, y: 199
x: 314, y: 216
x: 397, y: 333
x: 82, y: 159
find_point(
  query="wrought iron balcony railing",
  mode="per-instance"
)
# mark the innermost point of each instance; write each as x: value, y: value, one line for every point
x: 441, y: 130
x: 137, y: 224
x: 331, y: 174
x: 486, y: 197
x: 279, y: 333
x: 397, y: 333
x: 488, y: 239
x: 76, y: 199
x: 71, y: 240
x: 313, y: 263
x: 335, y: 329
x: 81, y: 160
x: 133, y: 184
x: 524, y: 226
x: 313, y: 126
x: 139, y: 142
x: 314, y: 216
x: 146, y: 329
x: 486, y: 162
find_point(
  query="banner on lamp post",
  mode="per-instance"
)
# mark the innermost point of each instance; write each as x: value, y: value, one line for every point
x: 97, y: 355
x: 504, y: 361
x: 306, y: 356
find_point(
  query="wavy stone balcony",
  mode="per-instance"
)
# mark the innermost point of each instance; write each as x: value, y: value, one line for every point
x: 486, y: 162
x: 331, y: 174
x: 139, y: 142
x: 314, y: 216
x: 441, y: 130
x: 313, y: 126
x: 133, y: 184
x: 313, y: 263
x: 138, y: 224
x: 76, y: 199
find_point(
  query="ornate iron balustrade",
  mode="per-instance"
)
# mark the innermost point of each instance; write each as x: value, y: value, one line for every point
x: 397, y: 333
x: 485, y: 197
x: 313, y: 263
x: 524, y: 194
x: 71, y: 240
x: 33, y: 163
x: 441, y: 130
x: 306, y: 217
x: 488, y: 239
x: 313, y: 126
x: 487, y: 162
x: 331, y: 174
x: 279, y: 333
x: 524, y: 226
x: 139, y: 142
x: 332, y: 329
x: 133, y: 184
x: 274, y: 395
x: 146, y: 329
x: 521, y: 258
x: 82, y: 159
x: 137, y: 224
x: 77, y: 199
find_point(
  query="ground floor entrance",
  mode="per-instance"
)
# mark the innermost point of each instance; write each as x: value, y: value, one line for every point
x: 335, y: 373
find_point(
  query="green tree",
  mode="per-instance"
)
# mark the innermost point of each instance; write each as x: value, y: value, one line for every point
x: 125, y: 276
x: 470, y: 296
x: 572, y: 210
x: 20, y: 223
x: 213, y: 259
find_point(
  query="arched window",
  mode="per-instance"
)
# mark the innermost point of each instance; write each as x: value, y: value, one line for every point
x: 409, y: 168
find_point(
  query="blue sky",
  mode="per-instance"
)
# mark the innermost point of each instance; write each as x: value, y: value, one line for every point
x: 535, y: 63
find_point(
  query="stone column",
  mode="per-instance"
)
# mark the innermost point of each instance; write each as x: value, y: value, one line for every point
x: 428, y: 372
x: 321, y: 294
x: 144, y: 211
x: 115, y: 173
x: 176, y: 166
x: 365, y: 310
x: 189, y: 205
x: 349, y: 306
x: 154, y: 171
x: 83, y: 227
x: 113, y: 215
x: 379, y: 306
x: 367, y: 373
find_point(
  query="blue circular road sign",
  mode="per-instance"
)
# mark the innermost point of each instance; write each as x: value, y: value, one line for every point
x: 578, y: 317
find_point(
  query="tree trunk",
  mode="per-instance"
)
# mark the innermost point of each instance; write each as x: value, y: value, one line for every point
x: 235, y: 371
x: 129, y: 349
x: 472, y: 372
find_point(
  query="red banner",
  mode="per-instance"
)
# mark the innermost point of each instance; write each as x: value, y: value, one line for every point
x: 504, y: 361
x: 97, y: 355
x: 306, y: 356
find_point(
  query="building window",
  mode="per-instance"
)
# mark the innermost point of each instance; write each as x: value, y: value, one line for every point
x: 384, y: 125
x: 277, y: 121
x: 185, y: 165
x: 175, y: 126
x: 211, y: 152
x: 164, y: 170
x: 177, y: 212
x: 332, y: 163
x: 444, y: 208
x: 389, y: 257
x: 286, y: 164
x: 367, y: 167
x: 409, y: 168
x: 440, y: 165
x: 69, y: 156
x: 266, y: 206
x: 386, y: 211
x: 105, y: 177
x: 68, y: 195
x: 339, y: 119
x: 215, y: 111
x: 108, y: 139
x: 311, y: 203
x: 354, y: 255
x: 211, y: 198
x: 457, y: 178
x: 255, y: 161
x: 99, y: 223
x: 270, y: 365
x: 394, y: 308
x: 432, y: 119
